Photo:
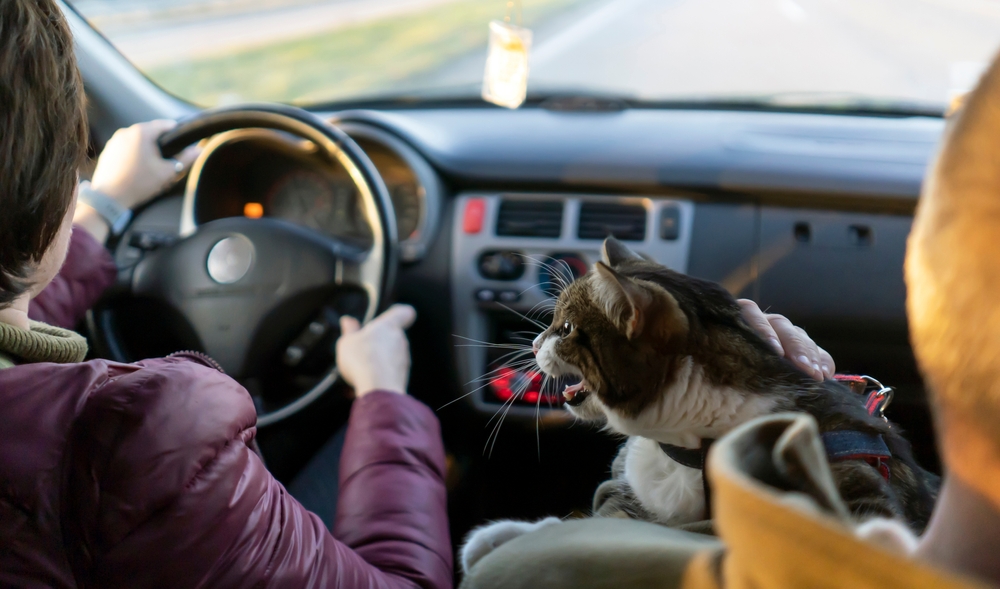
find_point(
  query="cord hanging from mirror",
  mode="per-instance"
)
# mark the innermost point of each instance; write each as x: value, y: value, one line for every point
x: 511, y: 6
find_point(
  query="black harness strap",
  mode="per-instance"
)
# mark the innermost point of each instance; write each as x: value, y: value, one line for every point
x: 841, y: 445
x: 693, y: 458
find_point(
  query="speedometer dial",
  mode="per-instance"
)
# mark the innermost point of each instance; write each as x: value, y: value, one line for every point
x: 302, y: 197
x: 326, y: 204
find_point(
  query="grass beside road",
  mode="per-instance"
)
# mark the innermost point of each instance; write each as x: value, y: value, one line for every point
x: 364, y: 59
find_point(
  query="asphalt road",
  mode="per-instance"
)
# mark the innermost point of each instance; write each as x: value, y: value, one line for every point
x: 924, y: 50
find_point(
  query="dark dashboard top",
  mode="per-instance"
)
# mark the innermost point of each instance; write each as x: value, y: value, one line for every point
x: 643, y: 149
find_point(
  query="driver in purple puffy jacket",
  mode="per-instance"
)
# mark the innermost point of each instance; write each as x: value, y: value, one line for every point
x: 142, y: 475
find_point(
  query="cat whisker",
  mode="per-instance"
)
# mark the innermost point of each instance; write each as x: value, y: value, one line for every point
x: 499, y: 346
x: 495, y: 434
x: 520, y: 365
x: 512, y: 354
x: 538, y: 411
x: 538, y: 306
x: 489, y: 380
x: 569, y: 271
x: 556, y: 273
x: 514, y: 365
x: 525, y: 333
x: 475, y: 390
x: 457, y: 399
x: 529, y: 288
x: 516, y: 393
x: 475, y: 341
x: 522, y: 387
x: 537, y: 324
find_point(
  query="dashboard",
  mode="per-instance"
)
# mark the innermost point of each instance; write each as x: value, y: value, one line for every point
x: 805, y: 213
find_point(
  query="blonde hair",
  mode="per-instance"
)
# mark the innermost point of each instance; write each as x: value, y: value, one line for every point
x: 953, y: 265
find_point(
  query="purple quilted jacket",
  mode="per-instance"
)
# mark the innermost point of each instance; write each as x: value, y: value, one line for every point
x: 140, y: 475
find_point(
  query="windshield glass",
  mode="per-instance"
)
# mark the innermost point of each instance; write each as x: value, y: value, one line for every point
x: 898, y: 54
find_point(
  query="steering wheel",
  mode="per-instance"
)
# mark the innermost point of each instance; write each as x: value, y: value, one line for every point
x: 241, y: 283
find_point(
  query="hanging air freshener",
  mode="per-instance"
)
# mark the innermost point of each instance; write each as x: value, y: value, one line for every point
x: 505, y: 82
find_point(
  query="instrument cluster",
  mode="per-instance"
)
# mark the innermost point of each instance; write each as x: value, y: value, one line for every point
x: 259, y: 173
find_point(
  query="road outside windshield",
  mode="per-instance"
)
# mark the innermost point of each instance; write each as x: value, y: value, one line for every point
x: 836, y: 53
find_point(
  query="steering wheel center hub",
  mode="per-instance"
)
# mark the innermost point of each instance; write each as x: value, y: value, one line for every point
x: 230, y: 259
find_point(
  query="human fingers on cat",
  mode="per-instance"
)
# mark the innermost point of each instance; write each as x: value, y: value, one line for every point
x: 818, y: 356
x: 759, y: 323
x: 801, y: 349
x: 826, y: 363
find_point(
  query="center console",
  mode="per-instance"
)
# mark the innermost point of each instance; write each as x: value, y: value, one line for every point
x: 512, y: 252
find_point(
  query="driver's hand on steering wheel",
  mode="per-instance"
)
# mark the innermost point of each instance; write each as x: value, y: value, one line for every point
x: 132, y: 170
x: 376, y: 356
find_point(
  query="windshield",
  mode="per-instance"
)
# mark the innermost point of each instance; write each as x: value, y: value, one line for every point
x: 894, y: 53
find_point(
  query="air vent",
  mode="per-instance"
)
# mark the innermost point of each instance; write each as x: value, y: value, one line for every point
x: 530, y: 218
x: 599, y: 220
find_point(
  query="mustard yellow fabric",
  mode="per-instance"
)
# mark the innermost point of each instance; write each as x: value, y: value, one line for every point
x: 780, y: 539
x: 772, y: 537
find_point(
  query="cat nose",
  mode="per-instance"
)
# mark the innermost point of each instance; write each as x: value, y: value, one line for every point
x: 536, y: 344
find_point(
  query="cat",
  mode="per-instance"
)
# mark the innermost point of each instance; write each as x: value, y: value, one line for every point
x: 667, y: 360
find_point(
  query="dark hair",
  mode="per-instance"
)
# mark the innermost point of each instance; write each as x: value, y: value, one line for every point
x: 43, y: 135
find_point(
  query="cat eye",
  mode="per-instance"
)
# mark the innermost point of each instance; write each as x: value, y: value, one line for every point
x: 565, y: 330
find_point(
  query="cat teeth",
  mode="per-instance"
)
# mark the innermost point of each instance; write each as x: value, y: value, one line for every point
x: 573, y: 390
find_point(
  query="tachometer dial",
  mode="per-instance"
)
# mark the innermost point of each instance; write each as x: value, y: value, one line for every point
x: 404, y: 188
x: 406, y: 199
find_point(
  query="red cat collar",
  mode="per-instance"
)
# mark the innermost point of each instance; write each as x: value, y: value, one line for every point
x: 879, y: 397
x: 853, y: 445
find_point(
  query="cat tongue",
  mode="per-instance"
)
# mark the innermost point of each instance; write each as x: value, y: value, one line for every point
x: 571, y: 390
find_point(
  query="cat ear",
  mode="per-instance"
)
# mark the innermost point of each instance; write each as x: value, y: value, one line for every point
x: 615, y: 252
x: 625, y: 302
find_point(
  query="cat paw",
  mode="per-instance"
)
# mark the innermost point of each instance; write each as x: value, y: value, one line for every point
x: 488, y: 538
x: 890, y: 534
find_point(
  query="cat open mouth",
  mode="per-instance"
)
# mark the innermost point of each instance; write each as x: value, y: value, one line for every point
x: 576, y: 394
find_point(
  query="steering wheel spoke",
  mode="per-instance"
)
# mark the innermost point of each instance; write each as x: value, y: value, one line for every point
x: 229, y: 276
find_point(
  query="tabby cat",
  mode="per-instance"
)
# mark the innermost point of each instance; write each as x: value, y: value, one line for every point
x: 667, y: 360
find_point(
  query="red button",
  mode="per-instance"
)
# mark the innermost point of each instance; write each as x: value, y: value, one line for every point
x: 475, y: 211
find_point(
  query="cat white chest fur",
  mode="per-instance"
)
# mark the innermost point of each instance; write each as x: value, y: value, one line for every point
x: 671, y: 492
x: 691, y: 408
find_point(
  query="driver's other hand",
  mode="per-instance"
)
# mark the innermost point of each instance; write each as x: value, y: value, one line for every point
x: 131, y: 168
x: 790, y: 341
x: 376, y: 356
